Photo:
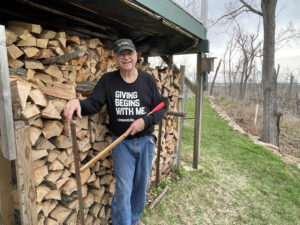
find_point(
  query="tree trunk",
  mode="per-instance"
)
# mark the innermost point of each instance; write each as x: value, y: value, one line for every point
x: 244, y: 71
x: 270, y: 132
x: 214, y: 80
x: 290, y: 88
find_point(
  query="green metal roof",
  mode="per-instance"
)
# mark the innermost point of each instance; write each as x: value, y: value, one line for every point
x: 172, y: 12
x: 157, y: 27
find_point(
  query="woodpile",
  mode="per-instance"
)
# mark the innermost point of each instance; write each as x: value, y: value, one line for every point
x: 169, y: 82
x: 45, y: 69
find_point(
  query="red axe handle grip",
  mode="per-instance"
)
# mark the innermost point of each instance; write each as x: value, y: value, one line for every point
x: 158, y: 107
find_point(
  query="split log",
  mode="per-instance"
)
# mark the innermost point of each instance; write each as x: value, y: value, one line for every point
x: 63, y: 58
x: 34, y: 134
x: 47, y: 34
x: 43, y: 143
x: 33, y: 64
x: 61, y: 182
x: 37, y: 154
x: 37, y: 122
x: 69, y: 186
x: 33, y: 28
x: 11, y: 37
x: 63, y: 141
x: 73, y: 40
x: 52, y: 177
x: 52, y: 128
x: 30, y: 51
x: 38, y: 97
x: 42, y: 77
x: 27, y: 40
x: 95, y: 209
x: 50, y: 112
x: 59, y: 90
x: 14, y: 52
x: 30, y: 111
x: 88, y: 201
x: 42, y: 42
x: 48, y: 206
x: 41, y: 219
x: 54, y: 195
x: 18, y: 71
x: 40, y: 173
x: 106, y: 180
x: 63, y: 157
x: 56, y: 165
x: 60, y: 213
x: 15, y: 63
x: 53, y: 154
x: 43, y: 53
x: 41, y: 191
x: 99, y: 146
x: 19, y: 92
x: 72, y: 219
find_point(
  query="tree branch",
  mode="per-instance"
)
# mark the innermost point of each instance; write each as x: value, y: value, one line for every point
x: 251, y: 8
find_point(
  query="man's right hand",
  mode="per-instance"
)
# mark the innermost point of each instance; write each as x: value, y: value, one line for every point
x: 72, y: 106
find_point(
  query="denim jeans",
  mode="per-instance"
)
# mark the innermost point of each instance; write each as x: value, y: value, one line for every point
x: 132, y: 167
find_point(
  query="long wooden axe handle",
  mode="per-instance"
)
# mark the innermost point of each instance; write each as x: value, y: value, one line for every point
x: 117, y: 141
x: 77, y: 173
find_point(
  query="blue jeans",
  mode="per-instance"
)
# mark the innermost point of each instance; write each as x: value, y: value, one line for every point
x: 132, y: 167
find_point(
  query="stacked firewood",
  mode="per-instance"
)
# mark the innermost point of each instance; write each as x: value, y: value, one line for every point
x: 168, y: 82
x: 45, y: 68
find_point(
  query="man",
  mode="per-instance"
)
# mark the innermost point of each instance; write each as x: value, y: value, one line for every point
x: 130, y: 94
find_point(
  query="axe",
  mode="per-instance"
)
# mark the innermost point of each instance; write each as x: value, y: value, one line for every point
x: 77, y: 173
x: 119, y: 139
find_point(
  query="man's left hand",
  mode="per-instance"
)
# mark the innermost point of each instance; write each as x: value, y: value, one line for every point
x: 137, y: 126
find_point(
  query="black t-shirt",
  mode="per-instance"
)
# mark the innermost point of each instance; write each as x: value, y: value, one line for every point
x: 126, y: 102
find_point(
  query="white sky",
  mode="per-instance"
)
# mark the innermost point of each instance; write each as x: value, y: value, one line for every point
x: 287, y: 11
x: 288, y: 57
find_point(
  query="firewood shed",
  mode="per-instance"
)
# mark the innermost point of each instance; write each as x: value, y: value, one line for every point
x: 48, y: 49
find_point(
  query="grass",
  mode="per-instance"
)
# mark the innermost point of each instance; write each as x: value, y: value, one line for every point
x: 238, y: 183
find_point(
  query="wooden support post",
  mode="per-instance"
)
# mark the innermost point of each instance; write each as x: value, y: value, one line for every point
x: 181, y: 127
x: 8, y: 146
x: 198, y: 112
x: 7, y: 216
x: 25, y: 178
x: 158, y: 154
x: 181, y: 108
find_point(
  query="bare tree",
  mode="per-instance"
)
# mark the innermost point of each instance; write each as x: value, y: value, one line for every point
x: 215, y: 76
x: 250, y: 46
x: 290, y: 87
x: 270, y: 132
x: 229, y: 56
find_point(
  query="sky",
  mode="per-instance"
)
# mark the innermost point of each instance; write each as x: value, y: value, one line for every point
x: 287, y: 11
x: 288, y: 57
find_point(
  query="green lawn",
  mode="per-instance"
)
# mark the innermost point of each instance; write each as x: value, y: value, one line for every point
x: 239, y: 182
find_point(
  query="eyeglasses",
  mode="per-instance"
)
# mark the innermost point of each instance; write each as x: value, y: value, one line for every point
x: 124, y: 54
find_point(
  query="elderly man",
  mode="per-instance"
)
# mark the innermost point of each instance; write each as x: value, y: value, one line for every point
x: 129, y: 94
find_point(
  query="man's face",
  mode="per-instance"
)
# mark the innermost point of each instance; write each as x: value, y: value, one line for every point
x: 126, y: 60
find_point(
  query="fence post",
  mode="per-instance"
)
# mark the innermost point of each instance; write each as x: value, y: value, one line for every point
x: 198, y: 111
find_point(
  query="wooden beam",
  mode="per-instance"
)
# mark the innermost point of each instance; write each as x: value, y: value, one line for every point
x: 25, y: 178
x: 8, y: 145
x: 6, y: 193
x: 198, y: 112
x: 191, y: 86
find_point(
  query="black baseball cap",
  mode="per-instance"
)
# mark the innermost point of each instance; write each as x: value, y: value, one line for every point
x: 123, y: 44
